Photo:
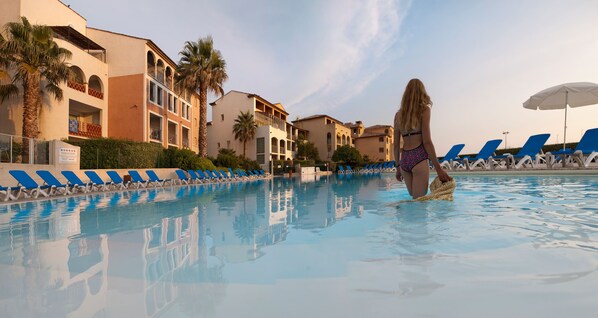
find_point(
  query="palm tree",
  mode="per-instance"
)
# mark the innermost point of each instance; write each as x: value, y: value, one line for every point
x: 201, y: 69
x: 244, y: 128
x: 31, y: 56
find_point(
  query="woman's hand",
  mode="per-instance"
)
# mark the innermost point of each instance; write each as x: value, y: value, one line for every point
x: 442, y: 175
x: 398, y: 175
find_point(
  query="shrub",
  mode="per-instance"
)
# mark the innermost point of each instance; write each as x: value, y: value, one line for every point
x: 348, y: 155
x: 109, y: 153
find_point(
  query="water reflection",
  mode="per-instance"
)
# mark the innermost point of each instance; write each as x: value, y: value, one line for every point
x: 177, y: 251
x: 136, y: 253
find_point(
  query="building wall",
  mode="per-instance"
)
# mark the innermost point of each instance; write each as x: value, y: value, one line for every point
x: 370, y: 146
x: 50, y: 12
x: 318, y: 134
x: 125, y: 55
x: 220, y: 133
x: 54, y: 114
x: 11, y: 11
x: 125, y: 115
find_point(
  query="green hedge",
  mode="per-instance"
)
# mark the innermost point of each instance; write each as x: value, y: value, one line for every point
x: 109, y: 153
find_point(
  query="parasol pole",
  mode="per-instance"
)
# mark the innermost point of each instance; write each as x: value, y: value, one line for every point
x: 565, y: 134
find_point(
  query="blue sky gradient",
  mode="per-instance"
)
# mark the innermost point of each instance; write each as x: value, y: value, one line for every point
x: 480, y: 60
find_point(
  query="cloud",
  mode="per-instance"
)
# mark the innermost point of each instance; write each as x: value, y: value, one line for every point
x: 355, y: 50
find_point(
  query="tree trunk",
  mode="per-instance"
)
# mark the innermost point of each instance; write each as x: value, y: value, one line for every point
x: 30, y: 112
x: 30, y: 105
x: 244, y: 143
x: 203, y: 128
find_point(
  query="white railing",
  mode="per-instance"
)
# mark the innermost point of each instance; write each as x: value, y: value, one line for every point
x: 18, y: 149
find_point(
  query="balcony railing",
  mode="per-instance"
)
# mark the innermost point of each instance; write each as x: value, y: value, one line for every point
x: 156, y: 134
x: 172, y: 139
x: 262, y: 119
x: 82, y: 129
x: 76, y: 86
x: 185, y: 143
x: 94, y: 93
x: 18, y: 149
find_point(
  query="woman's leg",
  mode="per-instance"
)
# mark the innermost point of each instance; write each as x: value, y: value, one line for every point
x: 408, y: 179
x: 420, y: 178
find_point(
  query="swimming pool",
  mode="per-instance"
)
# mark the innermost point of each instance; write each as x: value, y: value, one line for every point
x: 508, y: 246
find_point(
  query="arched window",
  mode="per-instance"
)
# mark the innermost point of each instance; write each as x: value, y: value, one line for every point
x: 160, y: 71
x: 78, y: 80
x: 274, y: 145
x: 151, y: 64
x: 96, y: 88
x: 78, y: 75
x: 169, y: 77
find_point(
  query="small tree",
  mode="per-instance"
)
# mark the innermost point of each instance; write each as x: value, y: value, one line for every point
x: 244, y: 128
x: 348, y: 155
x: 307, y: 150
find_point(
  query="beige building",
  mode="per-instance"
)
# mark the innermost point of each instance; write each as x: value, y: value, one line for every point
x: 123, y: 85
x: 275, y: 137
x: 83, y: 111
x: 326, y: 133
x: 375, y: 142
x: 143, y: 103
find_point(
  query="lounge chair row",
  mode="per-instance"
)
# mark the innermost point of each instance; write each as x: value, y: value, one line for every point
x: 28, y: 188
x: 530, y: 155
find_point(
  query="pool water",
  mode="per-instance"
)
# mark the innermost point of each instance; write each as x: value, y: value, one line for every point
x: 507, y: 246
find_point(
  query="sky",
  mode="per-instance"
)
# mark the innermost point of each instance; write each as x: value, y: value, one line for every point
x: 480, y: 60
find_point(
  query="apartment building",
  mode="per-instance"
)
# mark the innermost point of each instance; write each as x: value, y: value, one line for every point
x: 376, y: 142
x: 326, y: 133
x: 123, y: 85
x: 143, y: 103
x: 275, y: 137
x: 83, y: 111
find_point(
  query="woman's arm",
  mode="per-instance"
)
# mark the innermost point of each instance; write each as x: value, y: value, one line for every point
x: 429, y: 146
x: 397, y: 147
x: 397, y: 140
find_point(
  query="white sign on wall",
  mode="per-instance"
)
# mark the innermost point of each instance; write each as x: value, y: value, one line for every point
x: 68, y: 156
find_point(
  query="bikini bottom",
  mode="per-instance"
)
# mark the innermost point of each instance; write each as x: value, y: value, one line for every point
x: 410, y: 158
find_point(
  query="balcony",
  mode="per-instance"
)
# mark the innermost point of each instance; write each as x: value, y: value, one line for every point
x: 94, y: 93
x: 76, y: 86
x: 262, y: 119
x: 83, y: 129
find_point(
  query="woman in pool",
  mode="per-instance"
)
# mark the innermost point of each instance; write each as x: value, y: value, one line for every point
x: 412, y: 123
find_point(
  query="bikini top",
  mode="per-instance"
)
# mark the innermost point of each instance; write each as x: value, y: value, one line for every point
x: 411, y: 133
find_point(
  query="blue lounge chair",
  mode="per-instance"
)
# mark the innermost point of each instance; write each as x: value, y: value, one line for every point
x: 153, y: 178
x: 10, y: 193
x: 529, y: 153
x: 30, y: 188
x: 183, y: 178
x: 341, y: 170
x: 585, y: 151
x: 137, y: 180
x: 482, y: 158
x: 195, y: 177
x: 50, y: 180
x: 75, y: 182
x: 216, y: 175
x: 236, y: 176
x: 98, y: 182
x: 117, y: 181
x: 449, y: 160
x: 204, y: 176
x: 348, y: 170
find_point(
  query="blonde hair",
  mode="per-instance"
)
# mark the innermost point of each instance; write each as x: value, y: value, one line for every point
x: 414, y: 102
